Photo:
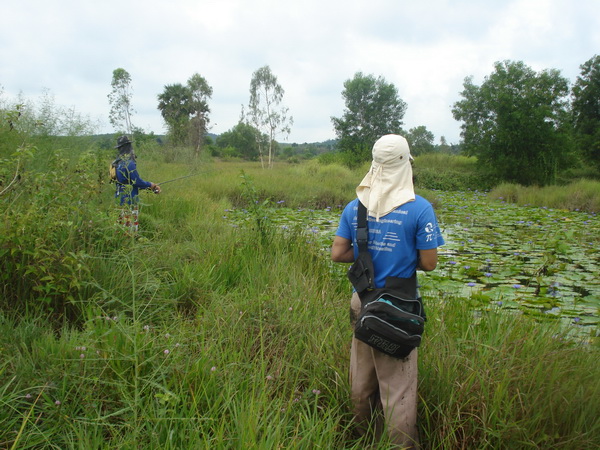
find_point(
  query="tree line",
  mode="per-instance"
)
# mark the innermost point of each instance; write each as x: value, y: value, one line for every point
x: 522, y: 126
x: 185, y: 110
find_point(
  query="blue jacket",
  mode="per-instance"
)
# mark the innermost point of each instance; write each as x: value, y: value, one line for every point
x: 127, y: 175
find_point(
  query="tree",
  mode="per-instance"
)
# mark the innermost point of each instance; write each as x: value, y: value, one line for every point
x: 200, y: 92
x: 244, y: 138
x: 420, y: 140
x: 373, y: 108
x: 515, y: 123
x: 586, y: 111
x: 265, y: 110
x: 174, y: 106
x: 185, y: 110
x: 120, y: 101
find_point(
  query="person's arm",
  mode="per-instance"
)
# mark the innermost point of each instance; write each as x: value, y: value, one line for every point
x: 134, y: 177
x: 138, y: 181
x: 428, y: 259
x: 342, y: 250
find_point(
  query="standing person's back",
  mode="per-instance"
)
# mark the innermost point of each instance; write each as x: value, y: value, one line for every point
x: 403, y: 237
x: 129, y: 182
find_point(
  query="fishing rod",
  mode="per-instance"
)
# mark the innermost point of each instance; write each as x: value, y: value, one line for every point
x: 180, y: 178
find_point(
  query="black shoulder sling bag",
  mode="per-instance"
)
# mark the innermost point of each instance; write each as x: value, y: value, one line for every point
x: 392, y: 318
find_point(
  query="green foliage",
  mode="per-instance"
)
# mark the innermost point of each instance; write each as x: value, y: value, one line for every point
x: 491, y: 382
x: 586, y: 112
x: 50, y: 227
x: 314, y: 185
x: 420, y: 141
x: 257, y: 208
x: 443, y: 171
x: 174, y: 107
x: 241, y: 141
x: 517, y: 118
x: 185, y: 110
x: 580, y: 195
x: 373, y: 108
x: 200, y: 93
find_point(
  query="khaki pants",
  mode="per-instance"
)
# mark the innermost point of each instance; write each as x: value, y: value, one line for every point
x: 383, y: 384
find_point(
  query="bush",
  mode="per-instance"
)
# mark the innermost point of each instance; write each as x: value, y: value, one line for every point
x: 448, y: 173
x: 51, y: 224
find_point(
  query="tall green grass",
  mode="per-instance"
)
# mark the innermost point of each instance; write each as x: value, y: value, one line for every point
x: 203, y: 334
x: 495, y: 380
x: 582, y: 195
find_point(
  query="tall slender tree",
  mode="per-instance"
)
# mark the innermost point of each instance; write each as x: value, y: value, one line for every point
x: 120, y: 101
x: 200, y: 92
x: 265, y: 109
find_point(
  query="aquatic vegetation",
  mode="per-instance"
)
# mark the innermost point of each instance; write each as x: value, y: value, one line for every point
x: 535, y: 260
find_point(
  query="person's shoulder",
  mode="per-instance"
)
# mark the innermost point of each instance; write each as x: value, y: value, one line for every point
x: 352, y: 204
x: 421, y: 201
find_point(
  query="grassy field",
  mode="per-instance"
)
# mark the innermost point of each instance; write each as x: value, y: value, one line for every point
x: 204, y: 334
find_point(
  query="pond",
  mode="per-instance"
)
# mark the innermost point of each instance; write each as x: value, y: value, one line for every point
x: 538, y: 261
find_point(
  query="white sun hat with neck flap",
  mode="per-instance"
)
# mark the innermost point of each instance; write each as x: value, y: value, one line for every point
x: 389, y: 182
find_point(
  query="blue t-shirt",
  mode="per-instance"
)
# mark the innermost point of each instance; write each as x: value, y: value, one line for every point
x: 395, y: 239
x: 127, y: 174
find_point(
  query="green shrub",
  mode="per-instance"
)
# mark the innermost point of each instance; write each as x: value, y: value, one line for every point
x: 51, y: 224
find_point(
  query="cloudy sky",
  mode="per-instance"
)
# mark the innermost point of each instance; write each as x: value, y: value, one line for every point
x: 424, y: 47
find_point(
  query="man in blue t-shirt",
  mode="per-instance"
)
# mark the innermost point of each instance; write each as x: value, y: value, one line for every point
x: 403, y: 236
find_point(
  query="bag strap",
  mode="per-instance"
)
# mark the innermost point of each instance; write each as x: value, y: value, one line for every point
x: 362, y: 229
x: 362, y: 240
x: 405, y: 286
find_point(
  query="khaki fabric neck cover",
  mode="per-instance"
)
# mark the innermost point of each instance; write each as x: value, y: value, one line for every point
x: 389, y: 182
